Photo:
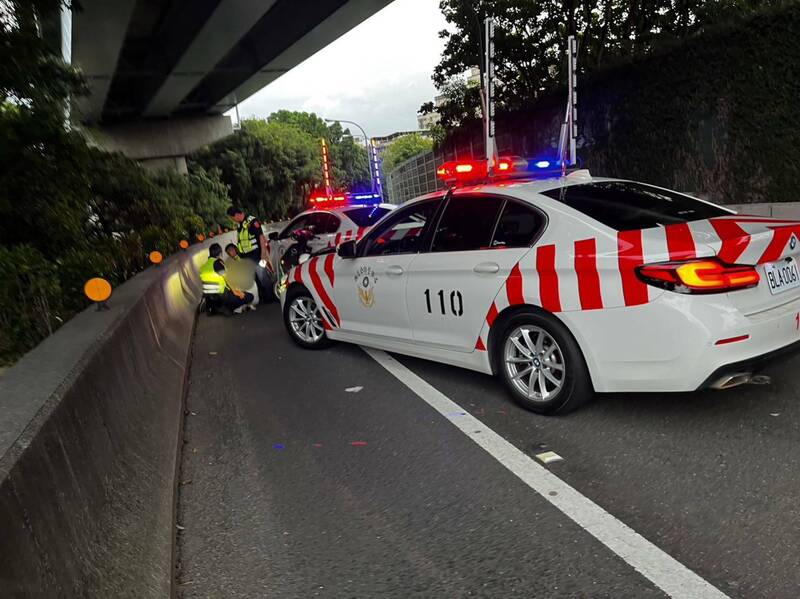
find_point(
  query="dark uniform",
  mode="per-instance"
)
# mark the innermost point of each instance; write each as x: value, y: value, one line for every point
x: 248, y: 237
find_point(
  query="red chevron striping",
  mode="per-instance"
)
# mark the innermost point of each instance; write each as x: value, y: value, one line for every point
x: 361, y: 231
x: 629, y: 244
x: 514, y: 286
x: 492, y: 314
x: 337, y: 240
x: 780, y: 237
x: 588, y: 278
x: 548, y: 278
x: 320, y: 289
x: 479, y: 345
x: 680, y: 242
x: 329, y: 268
x: 734, y: 239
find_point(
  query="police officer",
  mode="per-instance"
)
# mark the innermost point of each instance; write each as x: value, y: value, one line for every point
x: 219, y: 295
x: 252, y: 244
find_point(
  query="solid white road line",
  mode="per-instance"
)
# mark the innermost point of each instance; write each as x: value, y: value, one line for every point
x: 669, y: 575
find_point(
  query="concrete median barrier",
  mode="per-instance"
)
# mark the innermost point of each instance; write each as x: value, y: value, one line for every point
x: 90, y: 426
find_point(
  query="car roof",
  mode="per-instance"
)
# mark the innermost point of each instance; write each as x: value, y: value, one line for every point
x: 343, y: 208
x: 523, y: 189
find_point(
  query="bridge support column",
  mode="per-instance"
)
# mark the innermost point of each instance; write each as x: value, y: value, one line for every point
x: 162, y: 144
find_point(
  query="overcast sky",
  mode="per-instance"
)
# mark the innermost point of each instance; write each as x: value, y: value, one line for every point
x: 378, y: 74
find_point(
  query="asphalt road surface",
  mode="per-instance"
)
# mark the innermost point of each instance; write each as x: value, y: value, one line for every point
x: 293, y: 486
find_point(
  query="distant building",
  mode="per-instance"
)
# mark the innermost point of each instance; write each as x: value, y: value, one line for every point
x: 426, y: 121
x: 383, y: 142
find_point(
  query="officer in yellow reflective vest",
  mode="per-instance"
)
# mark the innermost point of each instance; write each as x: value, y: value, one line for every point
x: 252, y: 244
x: 219, y: 295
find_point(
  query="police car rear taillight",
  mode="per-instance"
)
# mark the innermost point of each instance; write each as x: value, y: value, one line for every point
x: 699, y: 276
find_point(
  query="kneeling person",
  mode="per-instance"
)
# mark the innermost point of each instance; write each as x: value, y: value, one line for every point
x: 219, y: 295
x: 239, y: 273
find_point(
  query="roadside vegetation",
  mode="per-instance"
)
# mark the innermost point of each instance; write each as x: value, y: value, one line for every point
x: 698, y: 96
x: 271, y: 165
x: 403, y: 148
x: 68, y: 211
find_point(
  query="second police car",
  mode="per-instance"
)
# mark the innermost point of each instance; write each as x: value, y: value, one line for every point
x: 561, y: 286
x: 331, y: 221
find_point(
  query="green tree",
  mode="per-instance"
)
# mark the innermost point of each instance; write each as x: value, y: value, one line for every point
x: 271, y: 165
x: 350, y: 163
x: 349, y: 158
x: 530, y: 40
x: 403, y: 148
x: 67, y: 211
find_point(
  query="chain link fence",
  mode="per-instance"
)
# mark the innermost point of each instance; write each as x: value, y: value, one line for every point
x: 414, y: 177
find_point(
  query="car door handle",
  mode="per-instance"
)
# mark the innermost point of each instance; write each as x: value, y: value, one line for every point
x: 489, y: 268
x: 394, y: 270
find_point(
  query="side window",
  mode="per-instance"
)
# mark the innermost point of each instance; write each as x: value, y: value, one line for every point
x: 317, y: 222
x: 467, y: 224
x: 518, y: 226
x: 403, y: 233
x: 331, y: 224
x: 298, y: 223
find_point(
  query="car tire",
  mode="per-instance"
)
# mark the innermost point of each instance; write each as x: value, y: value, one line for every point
x: 303, y: 321
x: 535, y: 349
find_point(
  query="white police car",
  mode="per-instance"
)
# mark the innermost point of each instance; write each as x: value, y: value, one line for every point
x: 328, y: 223
x: 561, y: 286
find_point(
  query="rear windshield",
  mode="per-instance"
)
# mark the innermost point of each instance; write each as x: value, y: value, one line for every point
x: 624, y: 206
x: 366, y: 217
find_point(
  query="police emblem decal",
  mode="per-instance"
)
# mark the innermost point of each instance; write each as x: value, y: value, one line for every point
x: 365, y: 280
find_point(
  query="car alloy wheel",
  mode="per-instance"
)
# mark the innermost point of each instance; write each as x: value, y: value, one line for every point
x: 305, y: 320
x: 534, y: 363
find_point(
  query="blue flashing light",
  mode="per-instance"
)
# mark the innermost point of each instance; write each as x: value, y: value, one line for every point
x: 365, y: 197
x: 542, y: 164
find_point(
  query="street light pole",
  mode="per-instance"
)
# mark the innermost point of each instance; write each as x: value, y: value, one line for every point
x: 366, y: 144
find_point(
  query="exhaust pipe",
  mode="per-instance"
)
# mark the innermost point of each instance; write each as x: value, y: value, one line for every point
x: 733, y: 380
x: 741, y: 378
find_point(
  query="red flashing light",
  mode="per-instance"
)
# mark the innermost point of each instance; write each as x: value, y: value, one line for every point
x: 327, y: 199
x: 462, y: 170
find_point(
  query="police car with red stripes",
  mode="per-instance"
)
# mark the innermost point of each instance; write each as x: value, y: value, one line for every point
x: 561, y: 285
x: 331, y: 220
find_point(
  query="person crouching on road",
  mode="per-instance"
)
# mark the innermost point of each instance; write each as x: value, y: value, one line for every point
x: 252, y: 244
x: 235, y: 271
x: 219, y: 295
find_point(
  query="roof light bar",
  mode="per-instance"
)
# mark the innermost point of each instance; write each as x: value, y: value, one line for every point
x: 465, y: 171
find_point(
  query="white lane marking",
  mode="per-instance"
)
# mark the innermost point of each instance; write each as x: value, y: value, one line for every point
x: 668, y: 574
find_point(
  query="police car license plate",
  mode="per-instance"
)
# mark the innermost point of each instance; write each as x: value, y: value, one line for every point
x: 782, y: 276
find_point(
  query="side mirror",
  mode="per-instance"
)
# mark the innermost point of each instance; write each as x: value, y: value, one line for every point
x: 347, y: 249
x: 273, y: 236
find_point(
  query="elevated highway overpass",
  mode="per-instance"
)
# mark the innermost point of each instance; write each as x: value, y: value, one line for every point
x: 162, y: 73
